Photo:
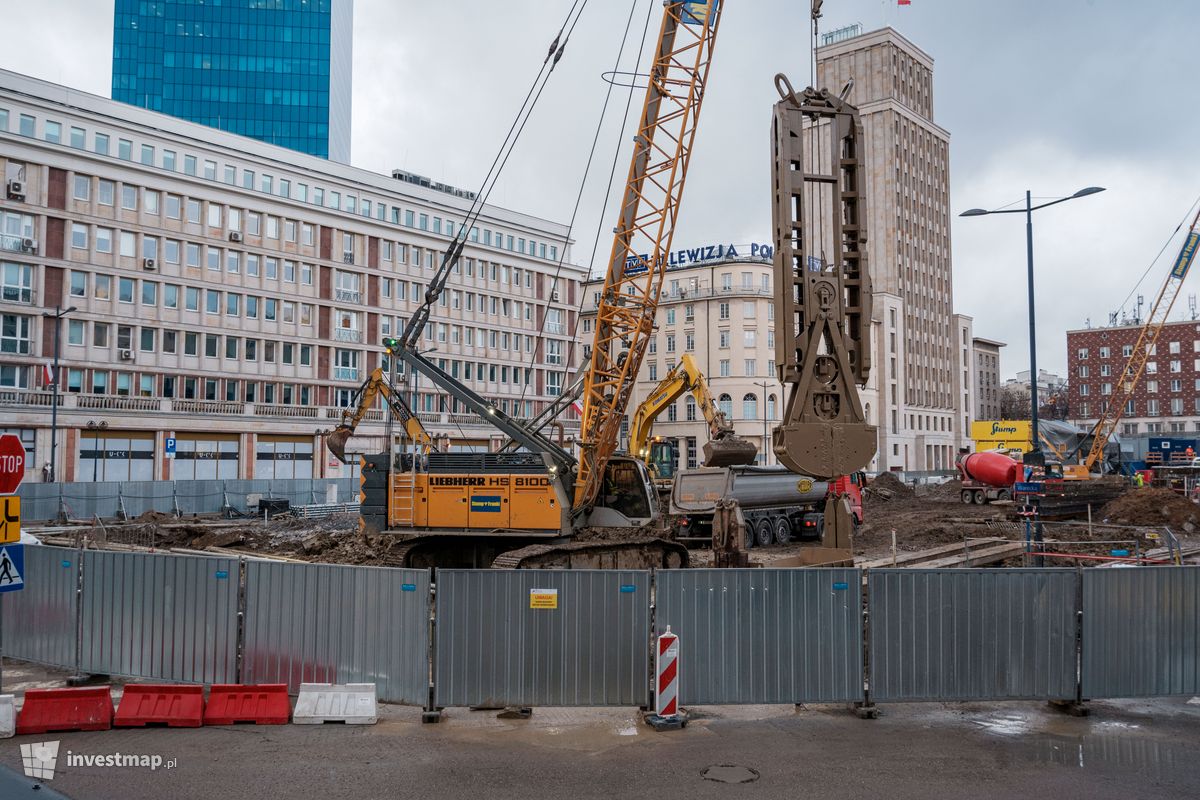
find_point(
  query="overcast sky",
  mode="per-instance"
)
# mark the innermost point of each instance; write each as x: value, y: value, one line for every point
x: 1039, y: 95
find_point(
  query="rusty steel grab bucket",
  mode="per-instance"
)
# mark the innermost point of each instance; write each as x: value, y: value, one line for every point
x: 336, y: 442
x: 729, y: 452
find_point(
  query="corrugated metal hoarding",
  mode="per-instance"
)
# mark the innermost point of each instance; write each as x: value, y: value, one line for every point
x: 39, y: 620
x: 972, y: 634
x: 323, y: 623
x: 764, y: 635
x: 542, y: 637
x: 1141, y: 632
x: 160, y: 616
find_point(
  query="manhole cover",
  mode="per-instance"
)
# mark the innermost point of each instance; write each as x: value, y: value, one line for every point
x: 729, y: 773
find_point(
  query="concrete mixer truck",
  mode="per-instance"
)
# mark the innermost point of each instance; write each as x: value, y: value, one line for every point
x: 986, y: 476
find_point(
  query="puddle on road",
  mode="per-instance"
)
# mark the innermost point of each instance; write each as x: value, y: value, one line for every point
x: 1004, y: 724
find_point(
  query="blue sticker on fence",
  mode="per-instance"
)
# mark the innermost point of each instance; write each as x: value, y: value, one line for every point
x: 66, y: 563
x: 408, y: 587
x: 1119, y: 553
x: 841, y: 586
x: 628, y: 588
x: 222, y: 574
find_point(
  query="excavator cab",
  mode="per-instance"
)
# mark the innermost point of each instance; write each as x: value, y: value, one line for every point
x: 663, y: 459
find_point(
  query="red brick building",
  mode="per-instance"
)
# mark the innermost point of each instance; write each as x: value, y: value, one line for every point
x: 1167, y: 399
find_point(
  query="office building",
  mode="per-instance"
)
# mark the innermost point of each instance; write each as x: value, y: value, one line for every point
x: 231, y: 295
x: 920, y: 395
x: 275, y: 71
x: 717, y: 305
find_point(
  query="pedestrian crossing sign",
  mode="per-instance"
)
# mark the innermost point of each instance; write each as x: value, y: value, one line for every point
x: 12, y: 568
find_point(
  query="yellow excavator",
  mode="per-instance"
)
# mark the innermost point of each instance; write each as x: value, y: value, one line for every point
x: 377, y: 385
x: 724, y: 447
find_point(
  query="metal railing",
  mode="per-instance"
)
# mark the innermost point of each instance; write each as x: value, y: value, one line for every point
x: 347, y: 295
x: 345, y: 373
x: 348, y: 335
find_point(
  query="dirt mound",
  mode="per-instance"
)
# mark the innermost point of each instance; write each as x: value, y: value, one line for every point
x: 1153, y: 506
x: 154, y: 516
x: 887, y: 486
x: 949, y: 492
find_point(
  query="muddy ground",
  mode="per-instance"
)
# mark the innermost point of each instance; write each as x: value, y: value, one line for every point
x: 922, y: 517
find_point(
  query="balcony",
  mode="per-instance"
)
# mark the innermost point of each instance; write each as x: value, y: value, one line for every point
x: 345, y: 373
x: 207, y: 407
x: 23, y: 397
x: 269, y: 410
x: 347, y: 295
x: 117, y: 403
x: 18, y: 294
x: 348, y: 335
x: 556, y: 328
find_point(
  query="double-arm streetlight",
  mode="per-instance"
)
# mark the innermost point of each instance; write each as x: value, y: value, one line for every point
x: 1034, y: 457
x: 59, y: 313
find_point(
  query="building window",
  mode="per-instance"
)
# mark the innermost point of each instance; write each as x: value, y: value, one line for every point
x: 750, y: 406
x: 15, y: 334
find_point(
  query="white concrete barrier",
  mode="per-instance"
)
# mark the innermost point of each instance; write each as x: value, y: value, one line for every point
x: 8, y: 716
x: 351, y: 703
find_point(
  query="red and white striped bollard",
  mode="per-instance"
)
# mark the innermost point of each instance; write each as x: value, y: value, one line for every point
x: 666, y: 696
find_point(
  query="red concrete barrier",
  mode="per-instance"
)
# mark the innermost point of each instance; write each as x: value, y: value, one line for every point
x: 231, y: 703
x: 160, y: 704
x: 52, y: 710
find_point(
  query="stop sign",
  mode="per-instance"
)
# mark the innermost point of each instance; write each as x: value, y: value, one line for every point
x: 12, y: 463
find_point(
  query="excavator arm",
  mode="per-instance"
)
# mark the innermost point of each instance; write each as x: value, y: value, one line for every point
x: 375, y: 385
x: 724, y: 447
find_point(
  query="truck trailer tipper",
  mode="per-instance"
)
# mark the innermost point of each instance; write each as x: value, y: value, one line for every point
x: 779, y: 506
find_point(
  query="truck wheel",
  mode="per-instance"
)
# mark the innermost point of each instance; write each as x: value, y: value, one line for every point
x: 766, y: 533
x: 967, y: 496
x: 1005, y: 494
x: 980, y: 499
x: 749, y: 535
x: 783, y: 531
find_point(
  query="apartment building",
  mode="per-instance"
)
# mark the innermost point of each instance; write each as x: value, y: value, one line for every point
x: 1166, y: 400
x: 986, y: 355
x: 224, y: 298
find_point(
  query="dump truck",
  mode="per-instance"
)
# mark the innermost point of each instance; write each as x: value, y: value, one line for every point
x: 779, y: 506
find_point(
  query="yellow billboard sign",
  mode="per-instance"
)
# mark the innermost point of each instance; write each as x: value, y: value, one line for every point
x: 10, y: 519
x: 1009, y: 434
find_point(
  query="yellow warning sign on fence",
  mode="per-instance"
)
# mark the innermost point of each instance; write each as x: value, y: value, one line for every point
x: 543, y: 598
x: 10, y: 520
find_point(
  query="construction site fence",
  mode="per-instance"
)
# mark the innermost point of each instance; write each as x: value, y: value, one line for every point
x: 496, y: 638
x: 130, y: 499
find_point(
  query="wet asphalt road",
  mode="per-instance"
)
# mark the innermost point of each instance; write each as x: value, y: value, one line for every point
x: 996, y: 750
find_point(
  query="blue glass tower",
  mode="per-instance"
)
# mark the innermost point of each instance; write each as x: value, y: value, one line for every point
x: 274, y: 70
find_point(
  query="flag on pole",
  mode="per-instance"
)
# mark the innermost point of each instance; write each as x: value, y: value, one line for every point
x: 904, y: 2
x: 47, y: 375
x: 578, y: 407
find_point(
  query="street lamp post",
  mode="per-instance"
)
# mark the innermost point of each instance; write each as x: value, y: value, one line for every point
x: 766, y: 450
x: 57, y: 316
x: 1035, y: 456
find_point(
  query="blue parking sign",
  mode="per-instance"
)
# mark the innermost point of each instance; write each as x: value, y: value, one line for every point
x: 169, y: 446
x: 12, y: 568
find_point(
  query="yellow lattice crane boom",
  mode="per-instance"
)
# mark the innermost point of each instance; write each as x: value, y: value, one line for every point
x: 678, y: 77
x: 1110, y: 415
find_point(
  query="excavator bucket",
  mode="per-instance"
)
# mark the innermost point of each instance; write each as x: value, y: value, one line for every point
x: 729, y: 451
x: 825, y: 450
x: 336, y: 442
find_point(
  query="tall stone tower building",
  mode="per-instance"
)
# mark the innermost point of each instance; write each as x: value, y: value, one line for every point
x: 916, y: 396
